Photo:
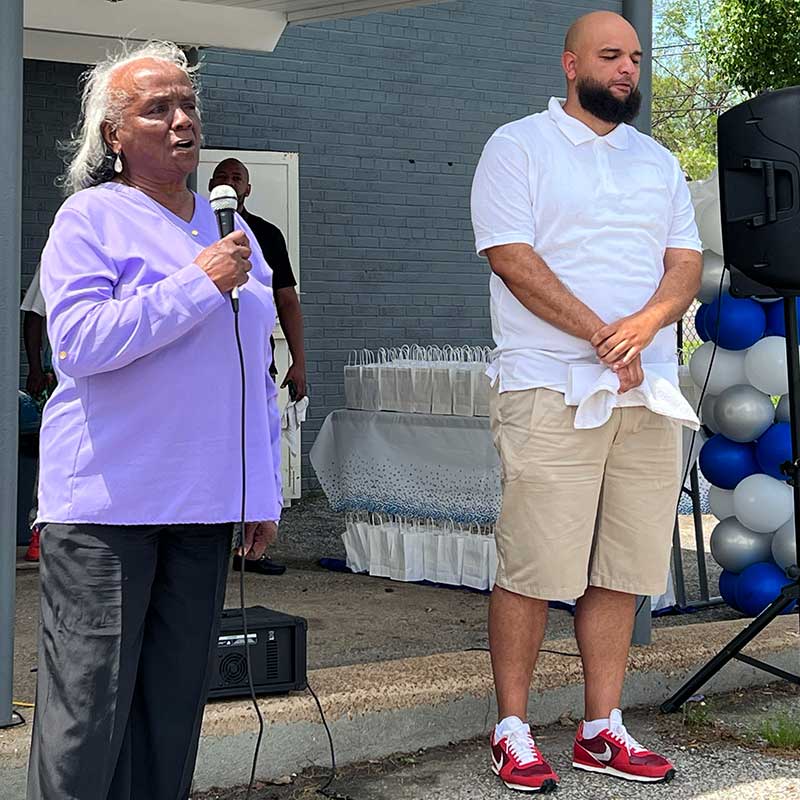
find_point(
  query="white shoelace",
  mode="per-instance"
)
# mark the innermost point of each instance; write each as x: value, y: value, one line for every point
x: 520, y: 743
x: 620, y: 733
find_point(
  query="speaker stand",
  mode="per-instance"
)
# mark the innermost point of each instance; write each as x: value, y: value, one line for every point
x: 791, y: 592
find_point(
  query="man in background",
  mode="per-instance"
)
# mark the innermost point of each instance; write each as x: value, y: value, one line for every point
x: 41, y: 379
x: 231, y: 172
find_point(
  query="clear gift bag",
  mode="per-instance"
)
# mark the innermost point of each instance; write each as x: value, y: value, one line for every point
x: 405, y: 380
x: 370, y: 382
x: 492, y: 559
x: 442, y: 382
x: 407, y: 558
x: 482, y: 383
x: 387, y: 381
x: 430, y: 550
x: 450, y: 556
x: 356, y: 543
x: 421, y: 381
x: 475, y: 567
x: 463, y: 383
x: 381, y: 538
x: 352, y: 381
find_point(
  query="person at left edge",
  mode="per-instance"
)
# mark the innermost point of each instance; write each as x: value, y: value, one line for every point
x: 141, y: 480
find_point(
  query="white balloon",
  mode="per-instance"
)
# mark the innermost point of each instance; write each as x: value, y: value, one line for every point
x: 721, y: 502
x: 728, y: 369
x: 765, y: 365
x: 705, y: 195
x: 762, y: 503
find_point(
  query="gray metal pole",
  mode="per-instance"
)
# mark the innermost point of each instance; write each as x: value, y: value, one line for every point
x: 640, y: 14
x: 10, y: 235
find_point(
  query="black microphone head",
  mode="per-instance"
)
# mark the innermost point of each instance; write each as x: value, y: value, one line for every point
x: 223, y: 198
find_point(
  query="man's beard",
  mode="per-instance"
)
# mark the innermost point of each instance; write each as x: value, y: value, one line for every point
x: 598, y: 100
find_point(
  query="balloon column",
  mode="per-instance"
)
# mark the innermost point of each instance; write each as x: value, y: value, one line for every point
x: 742, y: 366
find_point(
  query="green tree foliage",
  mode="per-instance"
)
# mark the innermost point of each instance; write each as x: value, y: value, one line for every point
x: 689, y: 92
x: 755, y: 44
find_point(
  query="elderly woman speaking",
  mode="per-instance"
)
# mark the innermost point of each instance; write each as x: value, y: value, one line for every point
x: 141, y: 483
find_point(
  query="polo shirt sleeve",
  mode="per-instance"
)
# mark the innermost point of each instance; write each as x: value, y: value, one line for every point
x: 683, y: 229
x: 502, y: 206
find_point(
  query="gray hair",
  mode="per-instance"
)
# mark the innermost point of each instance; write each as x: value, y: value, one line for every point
x: 89, y: 159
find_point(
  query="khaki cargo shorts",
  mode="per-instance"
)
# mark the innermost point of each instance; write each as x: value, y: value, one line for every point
x: 583, y: 507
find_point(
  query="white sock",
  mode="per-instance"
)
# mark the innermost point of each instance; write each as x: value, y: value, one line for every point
x: 592, y: 727
x: 507, y: 725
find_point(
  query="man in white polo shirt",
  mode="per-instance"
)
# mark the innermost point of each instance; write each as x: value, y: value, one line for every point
x: 589, y: 230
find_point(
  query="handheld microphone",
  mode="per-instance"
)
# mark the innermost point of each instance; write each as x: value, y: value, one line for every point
x: 224, y: 202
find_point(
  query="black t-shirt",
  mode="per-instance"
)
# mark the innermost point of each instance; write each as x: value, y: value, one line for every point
x: 273, y: 246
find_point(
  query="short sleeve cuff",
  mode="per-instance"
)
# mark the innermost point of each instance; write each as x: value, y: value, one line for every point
x: 485, y: 242
x: 685, y: 244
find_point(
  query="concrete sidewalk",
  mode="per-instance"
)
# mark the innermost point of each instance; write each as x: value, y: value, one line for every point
x: 715, y: 748
x: 377, y: 709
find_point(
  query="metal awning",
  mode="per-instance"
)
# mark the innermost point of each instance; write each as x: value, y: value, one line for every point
x: 82, y: 31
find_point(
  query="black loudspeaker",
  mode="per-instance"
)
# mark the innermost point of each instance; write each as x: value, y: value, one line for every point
x: 759, y: 176
x: 277, y: 653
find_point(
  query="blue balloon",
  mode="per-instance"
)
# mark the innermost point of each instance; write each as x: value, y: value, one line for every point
x: 728, y: 581
x: 735, y: 323
x: 725, y: 463
x: 700, y: 322
x: 773, y: 448
x: 758, y: 586
x: 776, y: 323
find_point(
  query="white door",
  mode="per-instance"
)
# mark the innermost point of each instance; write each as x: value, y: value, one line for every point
x: 275, y: 196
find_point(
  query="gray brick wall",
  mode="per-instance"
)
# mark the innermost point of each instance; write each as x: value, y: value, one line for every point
x: 389, y: 114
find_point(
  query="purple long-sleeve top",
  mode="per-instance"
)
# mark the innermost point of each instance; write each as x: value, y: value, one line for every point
x: 145, y: 424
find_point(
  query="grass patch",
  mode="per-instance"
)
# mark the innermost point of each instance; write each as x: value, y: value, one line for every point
x: 782, y: 730
x: 698, y: 715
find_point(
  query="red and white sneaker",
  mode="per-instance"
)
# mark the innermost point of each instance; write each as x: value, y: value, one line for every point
x: 615, y: 752
x: 516, y: 760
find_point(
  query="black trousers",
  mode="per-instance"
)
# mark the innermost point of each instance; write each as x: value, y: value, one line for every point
x: 129, y: 622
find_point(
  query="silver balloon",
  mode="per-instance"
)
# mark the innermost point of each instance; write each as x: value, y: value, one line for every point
x: 735, y: 547
x: 742, y: 413
x: 782, y: 410
x: 784, y: 546
x: 707, y: 415
x: 713, y: 267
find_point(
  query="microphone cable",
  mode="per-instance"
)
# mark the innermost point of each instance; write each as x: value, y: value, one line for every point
x: 242, y: 524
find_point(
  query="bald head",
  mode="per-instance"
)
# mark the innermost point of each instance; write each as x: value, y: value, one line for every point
x: 596, y: 26
x: 231, y: 172
x: 601, y: 62
x: 232, y: 165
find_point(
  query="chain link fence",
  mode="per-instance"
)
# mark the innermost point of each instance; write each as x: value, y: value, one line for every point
x: 688, y: 338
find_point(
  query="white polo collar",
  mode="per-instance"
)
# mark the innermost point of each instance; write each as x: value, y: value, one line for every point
x: 579, y: 133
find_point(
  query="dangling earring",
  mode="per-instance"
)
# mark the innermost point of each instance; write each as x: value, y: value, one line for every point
x: 118, y: 164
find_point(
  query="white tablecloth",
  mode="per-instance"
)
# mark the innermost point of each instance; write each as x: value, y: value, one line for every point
x: 411, y: 465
